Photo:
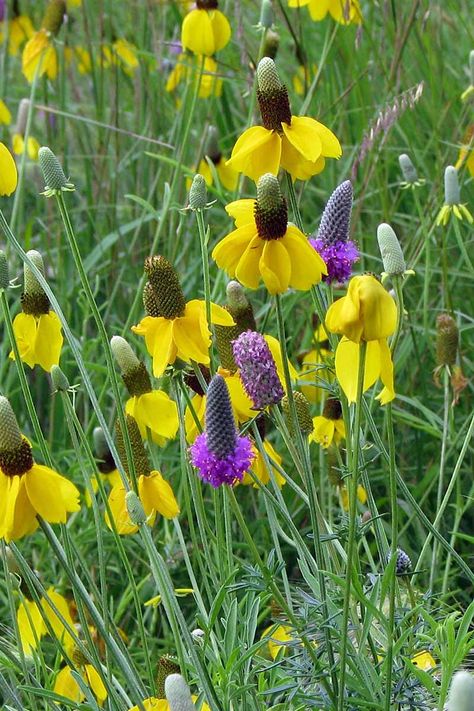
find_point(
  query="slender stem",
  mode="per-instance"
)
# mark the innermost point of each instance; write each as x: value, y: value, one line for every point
x: 203, y: 240
x: 393, y: 553
x: 351, y: 543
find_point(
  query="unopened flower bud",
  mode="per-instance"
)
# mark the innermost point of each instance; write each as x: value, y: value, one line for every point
x: 409, y: 173
x: 447, y: 340
x: 178, y: 694
x: 303, y: 416
x: 266, y: 14
x: 167, y: 292
x: 53, y: 174
x: 166, y: 665
x: 390, y: 250
x: 4, y: 272
x: 366, y: 517
x: 59, y: 380
x: 461, y: 692
x: 452, y: 192
x: 198, y: 193
x: 135, y: 508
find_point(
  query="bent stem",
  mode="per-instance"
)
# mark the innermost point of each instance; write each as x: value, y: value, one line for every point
x: 354, y: 473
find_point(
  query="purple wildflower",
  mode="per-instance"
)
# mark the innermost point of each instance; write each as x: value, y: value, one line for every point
x: 332, y: 241
x: 219, y: 453
x: 257, y: 369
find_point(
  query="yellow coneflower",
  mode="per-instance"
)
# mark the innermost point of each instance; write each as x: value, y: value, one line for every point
x: 18, y: 30
x: 39, y: 55
x: 8, y: 171
x: 206, y: 29
x: 66, y: 685
x: 5, y: 114
x: 342, y: 11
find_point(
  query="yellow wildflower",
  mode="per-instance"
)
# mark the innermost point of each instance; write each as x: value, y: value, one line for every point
x: 65, y: 684
x: 18, y: 29
x: 206, y: 29
x: 5, y: 115
x: 344, y: 494
x: 328, y: 427
x: 342, y: 11
x: 154, y: 704
x: 279, y: 637
x: 32, y: 146
x: 424, y: 660
x: 8, y: 171
x: 260, y: 467
x: 210, y: 83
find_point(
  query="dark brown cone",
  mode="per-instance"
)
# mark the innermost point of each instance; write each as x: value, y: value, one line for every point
x: 167, y: 289
x: 332, y: 409
x: 150, y: 301
x: 54, y: 16
x: 274, y: 108
x: 192, y: 380
x: 140, y: 457
x: 271, y: 223
x: 244, y: 320
x: 34, y: 303
x: 204, y: 5
x: 18, y: 461
x: 166, y: 665
x: 447, y: 340
x: 137, y: 381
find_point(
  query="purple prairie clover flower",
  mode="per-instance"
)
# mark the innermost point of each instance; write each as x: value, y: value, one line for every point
x: 219, y: 453
x: 332, y: 241
x: 257, y: 369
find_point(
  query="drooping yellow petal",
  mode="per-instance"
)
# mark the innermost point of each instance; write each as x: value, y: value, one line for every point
x: 347, y: 366
x: 296, y: 164
x: 56, y: 623
x: 65, y: 685
x: 318, y: 9
x: 157, y: 412
x: 20, y: 29
x: 219, y: 315
x: 307, y: 266
x: 386, y: 373
x: 49, y: 341
x: 275, y: 266
x: 51, y: 495
x: 279, y: 636
x: 247, y: 270
x: 189, y: 340
x: 242, y: 405
x: 220, y: 29
x: 158, y: 333
x: 24, y: 328
x: 227, y: 175
x: 298, y: 3
x: 30, y: 625
x: 127, y: 52
x: 303, y: 135
x: 262, y: 470
x: 95, y: 683
x: 8, y: 171
x: 331, y: 148
x: 323, y: 432
x: 33, y: 147
x: 256, y: 152
x: 198, y: 403
x: 5, y: 115
x: 243, y: 211
x: 35, y: 55
x: 20, y: 515
x: 118, y: 509
x: 156, y: 494
x: 228, y: 252
x: 153, y: 704
x: 275, y: 349
x: 211, y: 83
x: 197, y: 33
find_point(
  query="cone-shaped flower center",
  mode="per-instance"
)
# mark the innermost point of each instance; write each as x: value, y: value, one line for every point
x: 54, y: 15
x: 332, y: 409
x: 272, y: 96
x: 447, y: 340
x: 220, y: 423
x: 168, y: 298
x: 15, y: 453
x: 271, y: 212
x: 134, y: 373
x: 207, y: 4
x: 33, y: 299
x: 140, y: 457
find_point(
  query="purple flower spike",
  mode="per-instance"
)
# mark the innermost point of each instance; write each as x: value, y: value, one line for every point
x: 332, y: 241
x: 257, y: 370
x: 219, y: 453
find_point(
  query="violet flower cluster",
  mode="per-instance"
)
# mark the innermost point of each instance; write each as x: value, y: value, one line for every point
x: 257, y: 369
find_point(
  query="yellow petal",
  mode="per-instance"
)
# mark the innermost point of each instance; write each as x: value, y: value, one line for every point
x: 30, y: 625
x: 8, y: 172
x: 220, y: 29
x: 199, y: 406
x: 119, y: 512
x: 219, y: 315
x: 33, y: 148
x: 18, y: 144
x: 303, y: 135
x: 35, y: 55
x: 157, y: 494
x: 347, y: 366
x: 386, y: 373
x: 243, y: 211
x: 96, y: 683
x: 242, y: 406
x: 156, y: 411
x: 307, y: 266
x: 275, y: 266
x: 5, y: 115
x: 127, y: 52
x: 24, y: 328
x: 256, y: 151
x: 323, y: 432
x: 296, y: 164
x: 51, y: 494
x: 66, y: 685
x: 49, y: 341
x: 331, y: 148
x: 20, y: 515
x: 279, y: 635
x: 247, y: 270
x: 228, y: 252
x: 227, y: 175
x: 62, y: 606
x: 154, y: 704
x: 275, y: 349
x: 158, y: 334
x: 189, y: 340
x: 197, y: 33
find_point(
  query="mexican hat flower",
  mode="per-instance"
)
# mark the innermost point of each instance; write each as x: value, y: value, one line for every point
x: 37, y: 329
x: 367, y: 313
x: 332, y: 240
x: 152, y: 410
x: 298, y: 144
x: 39, y: 55
x: 342, y: 11
x: 210, y: 83
x: 206, y: 29
x: 8, y: 172
x: 173, y: 328
x: 66, y: 685
x: 220, y: 454
x: 31, y: 622
x: 227, y: 176
x: 27, y: 489
x: 329, y: 427
x: 265, y: 247
x: 154, y: 492
x: 452, y: 200
x: 18, y: 29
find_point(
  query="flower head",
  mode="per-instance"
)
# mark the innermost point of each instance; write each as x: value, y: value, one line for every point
x: 452, y: 200
x: 298, y: 144
x: 332, y: 241
x: 27, y: 489
x: 174, y: 329
x: 18, y: 29
x: 410, y: 175
x: 66, y: 685
x: 39, y: 55
x: 257, y: 370
x: 37, y: 329
x: 226, y: 174
x: 31, y: 623
x: 219, y: 453
x: 461, y: 692
x: 206, y: 29
x: 264, y: 246
x: 342, y: 11
x: 403, y: 562
x: 8, y: 171
x: 329, y: 427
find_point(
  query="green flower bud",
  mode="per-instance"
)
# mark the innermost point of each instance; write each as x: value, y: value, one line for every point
x: 266, y: 14
x: 59, y: 380
x: 452, y: 193
x: 178, y: 694
x: 408, y: 169
x: 392, y: 255
x: 4, y: 272
x: 198, y: 193
x: 53, y: 173
x: 135, y: 508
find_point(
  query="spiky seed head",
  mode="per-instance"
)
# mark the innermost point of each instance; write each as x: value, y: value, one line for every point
x: 169, y: 297
x: 10, y: 435
x: 198, y: 193
x: 150, y: 301
x: 336, y: 219
x: 59, y: 380
x: 272, y: 96
x: 271, y: 212
x: 135, y: 508
x: 166, y: 665
x: 178, y: 694
x: 409, y: 172
x: 303, y: 415
x: 140, y: 457
x: 4, y: 271
x: 267, y: 76
x: 54, y: 16
x: 390, y: 250
x: 220, y: 424
x: 447, y: 340
x: 126, y: 359
x: 452, y: 192
x: 16, y: 457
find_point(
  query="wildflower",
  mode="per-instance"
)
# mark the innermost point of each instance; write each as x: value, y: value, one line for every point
x: 279, y: 636
x: 8, y: 171
x: 313, y: 364
x: 155, y: 494
x: 329, y: 427
x: 173, y: 328
x: 219, y: 453
x: 66, y: 685
x: 410, y: 176
x: 367, y: 313
x: 424, y: 660
x: 18, y: 30
x: 257, y: 370
x: 5, y: 115
x: 31, y: 624
x: 392, y: 256
x: 226, y: 174
x: 403, y: 562
x: 303, y: 418
x: 126, y: 54
x: 261, y: 467
x: 344, y: 495
x: 332, y: 241
x: 39, y: 55
x: 206, y: 29
x: 461, y: 692
x: 80, y: 56
x: 152, y: 409
x: 466, y: 152
x: 342, y: 11
x: 210, y: 83
x: 298, y: 144
x: 18, y: 142
x: 37, y: 329
x: 264, y: 246
x: 28, y: 489
x: 452, y: 199
x: 53, y: 174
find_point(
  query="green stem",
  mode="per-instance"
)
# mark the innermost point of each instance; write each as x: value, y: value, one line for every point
x: 203, y: 240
